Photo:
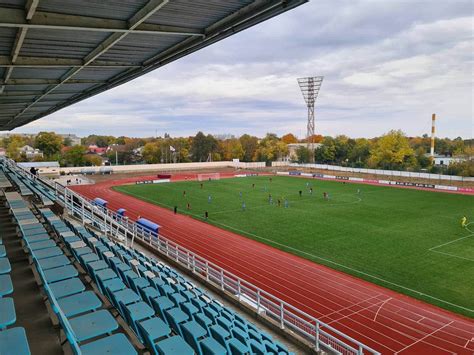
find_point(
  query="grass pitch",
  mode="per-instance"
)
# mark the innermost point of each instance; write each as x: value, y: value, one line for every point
x: 407, y: 240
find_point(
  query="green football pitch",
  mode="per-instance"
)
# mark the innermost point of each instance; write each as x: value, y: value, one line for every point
x: 404, y: 239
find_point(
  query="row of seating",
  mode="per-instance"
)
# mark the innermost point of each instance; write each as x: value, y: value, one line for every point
x: 29, y: 186
x: 189, y: 312
x: 4, y: 182
x: 12, y: 340
x: 89, y: 327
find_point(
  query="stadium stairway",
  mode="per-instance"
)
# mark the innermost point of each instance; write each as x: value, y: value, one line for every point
x: 111, y: 299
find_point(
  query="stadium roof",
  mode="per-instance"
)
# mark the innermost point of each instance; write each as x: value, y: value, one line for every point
x: 54, y: 53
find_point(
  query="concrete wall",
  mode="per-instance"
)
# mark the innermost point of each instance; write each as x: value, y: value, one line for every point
x: 164, y: 167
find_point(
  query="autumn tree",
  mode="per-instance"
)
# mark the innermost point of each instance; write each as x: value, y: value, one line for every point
x: 49, y: 143
x: 249, y: 146
x: 151, y: 153
x: 231, y: 149
x: 13, y: 144
x: 74, y: 156
x: 392, y: 151
x: 289, y: 138
x: 203, y: 146
x: 303, y: 155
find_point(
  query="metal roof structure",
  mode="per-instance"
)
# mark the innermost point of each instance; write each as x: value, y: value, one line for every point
x: 54, y: 53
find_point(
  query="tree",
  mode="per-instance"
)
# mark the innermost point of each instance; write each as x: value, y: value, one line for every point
x: 326, y: 153
x: 249, y: 146
x: 92, y: 160
x: 316, y: 138
x: 14, y: 143
x: 67, y: 142
x: 202, y: 146
x: 289, y: 138
x: 392, y: 151
x: 303, y: 154
x: 49, y: 142
x: 360, y: 153
x: 151, y: 153
x: 231, y: 149
x: 74, y: 156
x: 271, y: 148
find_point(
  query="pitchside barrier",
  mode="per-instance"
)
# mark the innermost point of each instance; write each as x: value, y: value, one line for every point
x: 379, y: 182
x: 289, y: 318
x: 393, y: 173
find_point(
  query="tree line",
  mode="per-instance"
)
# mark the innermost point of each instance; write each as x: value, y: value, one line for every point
x: 391, y: 151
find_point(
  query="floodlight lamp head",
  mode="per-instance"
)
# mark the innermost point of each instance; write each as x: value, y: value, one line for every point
x: 310, y: 88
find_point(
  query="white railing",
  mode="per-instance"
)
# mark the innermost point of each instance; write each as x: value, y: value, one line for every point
x: 393, y: 173
x: 321, y: 335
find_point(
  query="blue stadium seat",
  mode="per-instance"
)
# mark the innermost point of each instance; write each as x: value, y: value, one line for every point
x: 14, y: 342
x: 5, y: 266
x: 6, y: 286
x: 7, y: 312
x: 173, y: 346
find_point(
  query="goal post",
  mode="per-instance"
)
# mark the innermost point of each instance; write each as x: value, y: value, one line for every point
x: 209, y: 176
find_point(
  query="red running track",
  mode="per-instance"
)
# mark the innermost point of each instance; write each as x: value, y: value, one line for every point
x: 382, y: 319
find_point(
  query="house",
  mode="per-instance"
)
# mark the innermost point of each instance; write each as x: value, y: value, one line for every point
x: 445, y: 160
x: 293, y: 148
x: 30, y: 152
x: 96, y: 150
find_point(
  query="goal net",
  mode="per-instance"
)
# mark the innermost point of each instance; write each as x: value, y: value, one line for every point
x: 209, y: 176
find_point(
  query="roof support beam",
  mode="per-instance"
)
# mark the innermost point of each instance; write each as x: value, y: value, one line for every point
x: 20, y: 37
x: 15, y: 18
x: 14, y: 82
x: 136, y: 20
x: 41, y: 62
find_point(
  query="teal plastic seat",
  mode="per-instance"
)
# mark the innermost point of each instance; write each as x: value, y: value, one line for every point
x: 210, y: 346
x: 7, y: 312
x: 36, y: 238
x: 14, y: 342
x: 55, y: 261
x: 67, y: 287
x: 6, y: 286
x: 79, y: 303
x: 153, y: 330
x: 173, y: 346
x: 116, y: 344
x: 60, y: 273
x: 47, y: 253
x: 44, y: 244
x: 5, y: 266
x: 93, y: 325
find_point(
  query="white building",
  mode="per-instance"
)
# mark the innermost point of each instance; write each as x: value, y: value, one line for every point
x: 30, y: 152
x: 446, y: 160
x: 293, y: 148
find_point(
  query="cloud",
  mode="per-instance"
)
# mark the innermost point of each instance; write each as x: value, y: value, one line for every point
x: 387, y: 64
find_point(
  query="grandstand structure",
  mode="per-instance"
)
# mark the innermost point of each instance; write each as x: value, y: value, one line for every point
x: 55, y: 53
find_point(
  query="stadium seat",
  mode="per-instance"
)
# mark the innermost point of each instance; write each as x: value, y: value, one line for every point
x: 174, y: 345
x: 7, y: 312
x: 14, y: 342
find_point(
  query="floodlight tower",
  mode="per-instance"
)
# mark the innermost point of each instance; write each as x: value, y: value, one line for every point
x: 310, y: 89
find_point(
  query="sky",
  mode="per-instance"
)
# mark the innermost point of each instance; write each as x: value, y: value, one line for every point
x: 386, y: 65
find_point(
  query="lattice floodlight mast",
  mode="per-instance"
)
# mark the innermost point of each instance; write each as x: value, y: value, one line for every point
x: 310, y: 89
